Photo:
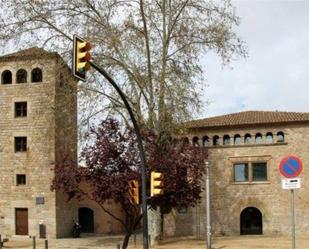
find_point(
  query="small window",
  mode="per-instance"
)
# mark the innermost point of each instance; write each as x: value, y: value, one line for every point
x: 226, y: 140
x: 6, y: 77
x: 205, y: 141
x: 259, y: 171
x: 21, y: 76
x: 241, y: 172
x: 237, y: 139
x: 258, y: 138
x: 20, y: 109
x: 195, y: 141
x: 36, y: 75
x: 248, y: 139
x: 216, y: 141
x: 20, y: 179
x: 280, y: 137
x: 20, y: 144
x: 269, y: 138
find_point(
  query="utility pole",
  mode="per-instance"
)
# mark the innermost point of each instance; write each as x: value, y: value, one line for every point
x: 208, y: 224
x: 140, y: 147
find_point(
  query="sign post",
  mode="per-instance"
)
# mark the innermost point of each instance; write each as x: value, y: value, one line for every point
x: 291, y: 167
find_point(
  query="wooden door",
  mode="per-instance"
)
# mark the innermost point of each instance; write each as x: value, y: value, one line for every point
x: 21, y: 221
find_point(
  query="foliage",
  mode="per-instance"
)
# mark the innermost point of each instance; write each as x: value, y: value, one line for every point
x: 113, y: 160
x: 153, y: 48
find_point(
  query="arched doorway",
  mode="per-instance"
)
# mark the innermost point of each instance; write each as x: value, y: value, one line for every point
x: 86, y: 219
x: 251, y: 221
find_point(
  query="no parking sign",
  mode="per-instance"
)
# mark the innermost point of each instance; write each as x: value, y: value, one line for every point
x: 291, y: 166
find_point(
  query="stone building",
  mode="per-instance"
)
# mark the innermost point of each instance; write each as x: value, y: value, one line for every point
x: 244, y: 153
x: 38, y: 126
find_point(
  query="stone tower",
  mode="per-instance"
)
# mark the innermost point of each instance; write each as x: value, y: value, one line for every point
x: 38, y: 125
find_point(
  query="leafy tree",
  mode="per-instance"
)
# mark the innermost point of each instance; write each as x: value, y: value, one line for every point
x: 113, y: 160
x: 152, y: 47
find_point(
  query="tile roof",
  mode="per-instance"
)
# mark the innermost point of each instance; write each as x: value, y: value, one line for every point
x: 249, y: 118
x: 28, y: 54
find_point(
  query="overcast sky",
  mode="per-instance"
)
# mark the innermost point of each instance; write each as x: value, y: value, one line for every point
x: 275, y: 76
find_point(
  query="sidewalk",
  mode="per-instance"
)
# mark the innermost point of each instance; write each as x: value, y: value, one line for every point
x: 110, y: 242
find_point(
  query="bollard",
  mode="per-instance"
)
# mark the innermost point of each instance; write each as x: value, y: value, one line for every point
x: 46, y: 244
x: 33, y: 242
x: 0, y: 242
x: 118, y: 246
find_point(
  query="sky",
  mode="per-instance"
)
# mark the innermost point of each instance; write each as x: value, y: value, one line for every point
x: 275, y: 76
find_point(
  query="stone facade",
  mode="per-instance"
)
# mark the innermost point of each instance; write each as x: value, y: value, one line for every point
x: 43, y: 126
x: 48, y: 130
x: 232, y: 200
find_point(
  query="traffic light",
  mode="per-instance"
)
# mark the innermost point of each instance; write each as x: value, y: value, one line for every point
x: 156, y: 187
x: 81, y: 57
x: 133, y: 191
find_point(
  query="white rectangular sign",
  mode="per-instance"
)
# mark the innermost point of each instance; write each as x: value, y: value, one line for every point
x: 290, y: 183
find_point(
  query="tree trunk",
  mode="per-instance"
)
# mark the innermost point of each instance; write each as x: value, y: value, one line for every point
x: 162, y: 225
x: 126, y: 240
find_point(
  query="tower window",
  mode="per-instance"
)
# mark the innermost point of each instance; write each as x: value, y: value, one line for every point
x: 20, y: 144
x: 36, y: 75
x: 20, y: 179
x: 6, y: 77
x: 20, y: 109
x: 21, y: 76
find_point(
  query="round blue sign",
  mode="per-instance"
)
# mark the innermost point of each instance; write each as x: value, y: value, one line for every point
x: 291, y: 166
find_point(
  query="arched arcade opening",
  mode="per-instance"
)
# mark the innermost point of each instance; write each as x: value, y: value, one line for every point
x: 86, y: 219
x: 251, y: 221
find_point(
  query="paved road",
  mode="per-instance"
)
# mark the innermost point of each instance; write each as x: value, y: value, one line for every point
x: 239, y: 242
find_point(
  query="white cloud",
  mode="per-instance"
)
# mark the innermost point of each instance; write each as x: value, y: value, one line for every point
x: 276, y: 75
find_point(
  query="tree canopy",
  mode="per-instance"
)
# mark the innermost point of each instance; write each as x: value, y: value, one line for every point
x: 113, y: 160
x: 152, y: 48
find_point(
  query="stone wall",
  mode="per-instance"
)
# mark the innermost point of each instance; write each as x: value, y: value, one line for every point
x: 37, y: 161
x: 229, y: 199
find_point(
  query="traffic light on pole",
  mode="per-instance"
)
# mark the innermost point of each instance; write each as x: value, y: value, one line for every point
x: 156, y: 187
x: 133, y: 191
x: 81, y: 57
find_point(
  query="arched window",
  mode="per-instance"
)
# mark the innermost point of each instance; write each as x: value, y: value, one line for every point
x: 185, y: 140
x: 6, y: 77
x: 269, y: 138
x: 215, y: 140
x: 258, y: 138
x: 195, y: 141
x: 36, y: 75
x: 226, y: 140
x: 21, y: 76
x: 237, y: 139
x: 205, y: 141
x: 248, y: 139
x: 280, y: 137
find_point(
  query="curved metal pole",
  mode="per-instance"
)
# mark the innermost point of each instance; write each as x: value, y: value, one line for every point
x: 140, y: 147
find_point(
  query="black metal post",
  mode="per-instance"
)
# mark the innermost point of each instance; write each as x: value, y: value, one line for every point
x: 141, y: 151
x: 33, y: 242
x: 46, y: 244
x: 0, y: 242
